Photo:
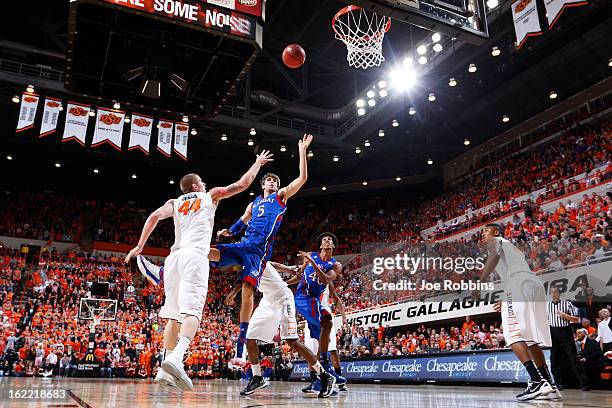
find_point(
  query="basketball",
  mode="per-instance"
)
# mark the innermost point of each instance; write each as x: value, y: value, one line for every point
x: 294, y: 56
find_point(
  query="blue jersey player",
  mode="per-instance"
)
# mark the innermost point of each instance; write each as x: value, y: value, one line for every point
x: 261, y: 220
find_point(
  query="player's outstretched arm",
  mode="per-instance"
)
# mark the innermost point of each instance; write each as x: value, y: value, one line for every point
x: 287, y: 192
x: 219, y: 193
x: 163, y: 212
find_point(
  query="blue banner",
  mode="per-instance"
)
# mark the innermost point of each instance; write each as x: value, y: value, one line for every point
x: 479, y: 366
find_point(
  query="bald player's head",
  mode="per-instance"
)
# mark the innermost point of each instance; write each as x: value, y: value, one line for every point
x: 191, y: 183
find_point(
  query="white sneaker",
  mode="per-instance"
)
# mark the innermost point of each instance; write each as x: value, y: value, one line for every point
x: 164, y: 379
x: 148, y: 269
x: 174, y: 367
x: 236, y: 363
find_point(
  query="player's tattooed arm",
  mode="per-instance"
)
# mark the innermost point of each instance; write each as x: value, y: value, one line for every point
x: 163, y: 212
x: 286, y: 192
x: 492, y: 260
x: 219, y: 193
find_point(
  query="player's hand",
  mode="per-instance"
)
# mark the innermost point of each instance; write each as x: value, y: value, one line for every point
x: 497, y: 307
x: 230, y: 300
x: 134, y: 252
x: 306, y: 256
x: 264, y: 157
x: 305, y: 142
x: 224, y: 233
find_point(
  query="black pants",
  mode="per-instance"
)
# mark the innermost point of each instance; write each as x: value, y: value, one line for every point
x: 564, y: 348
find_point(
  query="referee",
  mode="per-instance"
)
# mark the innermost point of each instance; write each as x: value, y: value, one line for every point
x: 560, y: 315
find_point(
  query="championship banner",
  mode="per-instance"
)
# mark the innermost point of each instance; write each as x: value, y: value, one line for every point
x: 27, y: 112
x: 77, y: 119
x: 181, y: 136
x: 109, y: 128
x: 140, y: 132
x: 50, y: 116
x: 164, y: 137
x: 554, y: 9
x: 526, y: 21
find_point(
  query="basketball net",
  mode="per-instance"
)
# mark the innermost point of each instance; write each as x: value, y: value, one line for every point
x: 362, y: 32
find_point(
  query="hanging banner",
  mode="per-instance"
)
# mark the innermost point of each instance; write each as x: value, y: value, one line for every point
x: 77, y: 119
x: 181, y: 136
x: 27, y: 112
x: 554, y: 9
x: 50, y: 116
x: 526, y: 22
x: 109, y: 128
x: 140, y: 132
x: 164, y: 137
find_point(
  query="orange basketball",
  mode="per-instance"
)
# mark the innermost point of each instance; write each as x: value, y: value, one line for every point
x: 294, y: 56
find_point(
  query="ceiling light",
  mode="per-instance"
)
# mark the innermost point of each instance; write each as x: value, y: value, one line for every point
x: 491, y: 4
x: 437, y: 47
x: 412, y: 111
x: 381, y: 133
x: 171, y: 181
x: 360, y: 103
x: 466, y: 142
x: 495, y: 51
x: 402, y: 78
x: 92, y: 113
x: 185, y: 118
x: 382, y: 84
x: 116, y: 105
x: 9, y: 157
x: 283, y: 148
x: 250, y: 142
x: 432, y: 97
x: 58, y: 165
x: 407, y: 62
x: 421, y: 49
x: 60, y: 108
x: 30, y: 88
x: 436, y: 37
x: 253, y: 132
x: 367, y: 143
x: 194, y: 132
x: 323, y: 188
x: 505, y: 119
x: 382, y: 93
x: 361, y: 111
x: 610, y: 62
x: 15, y: 99
x: 96, y: 171
x: 429, y: 161
x: 370, y: 94
x: 472, y: 68
x: 134, y: 176
x: 365, y: 183
x: 452, y: 82
x: 398, y: 179
x: 358, y: 150
x: 310, y: 154
x: 224, y: 137
x: 553, y: 95
x: 127, y: 119
x: 251, y: 193
x: 335, y: 159
x: 371, y: 103
x: 395, y: 123
x: 422, y: 60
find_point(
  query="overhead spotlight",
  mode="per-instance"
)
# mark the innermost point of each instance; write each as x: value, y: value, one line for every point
x: 224, y: 137
x: 407, y: 62
x: 30, y: 88
x: 335, y: 159
x: 402, y: 78
x: 505, y: 119
x: 436, y: 37
x: 134, y: 176
x: 361, y: 111
x: 171, y: 181
x: 360, y: 103
x: 610, y: 62
x: 383, y: 93
x: 398, y: 179
x: 370, y: 94
x: 250, y: 142
x: 432, y: 97
x: 412, y: 111
x: 96, y: 171
x: 437, y: 47
x: 429, y: 161
x: 367, y: 143
x: 158, y: 126
x: 9, y: 157
x: 323, y: 188
x: 253, y: 132
x: 180, y: 83
x: 57, y: 165
x: 251, y: 193
x: 358, y: 150
x: 117, y: 105
x: 394, y: 123
x: 365, y: 183
x: 553, y: 95
x: 466, y: 142
x: 452, y: 82
x: 92, y: 112
x: 422, y: 60
x: 127, y: 119
x: 15, y: 99
x: 371, y: 103
x: 382, y: 84
x: 472, y: 68
x: 421, y: 49
x: 194, y: 132
x: 491, y: 4
x: 185, y: 118
x: 283, y: 148
x: 61, y: 108
x: 310, y: 154
x: 495, y: 51
x: 381, y: 133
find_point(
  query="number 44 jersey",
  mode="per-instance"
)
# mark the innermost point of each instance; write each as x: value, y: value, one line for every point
x: 194, y: 217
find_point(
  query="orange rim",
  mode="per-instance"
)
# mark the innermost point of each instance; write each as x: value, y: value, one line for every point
x: 352, y: 8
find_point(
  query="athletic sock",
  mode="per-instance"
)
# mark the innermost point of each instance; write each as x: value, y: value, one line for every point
x: 318, y: 368
x: 241, y: 337
x: 181, y: 347
x: 533, y: 371
x: 338, y: 370
x: 545, y: 373
x: 256, y: 370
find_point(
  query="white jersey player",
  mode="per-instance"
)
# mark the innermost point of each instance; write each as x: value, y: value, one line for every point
x: 276, y: 310
x: 186, y: 268
x: 523, y: 309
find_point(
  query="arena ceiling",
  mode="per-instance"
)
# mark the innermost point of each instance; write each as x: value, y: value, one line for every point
x: 572, y: 57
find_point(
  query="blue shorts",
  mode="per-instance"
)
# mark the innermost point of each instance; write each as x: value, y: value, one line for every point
x: 313, y: 311
x: 252, y: 257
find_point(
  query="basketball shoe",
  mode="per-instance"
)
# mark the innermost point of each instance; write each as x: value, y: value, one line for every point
x: 149, y: 270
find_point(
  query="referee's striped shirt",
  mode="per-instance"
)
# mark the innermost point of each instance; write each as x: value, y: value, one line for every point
x: 564, y: 306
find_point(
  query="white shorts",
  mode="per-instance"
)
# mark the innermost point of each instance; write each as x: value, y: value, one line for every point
x: 524, y: 316
x: 313, y: 344
x: 272, y: 314
x: 185, y: 284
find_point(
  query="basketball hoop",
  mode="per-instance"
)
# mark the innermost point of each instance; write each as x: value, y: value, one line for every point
x: 97, y: 310
x: 362, y: 32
